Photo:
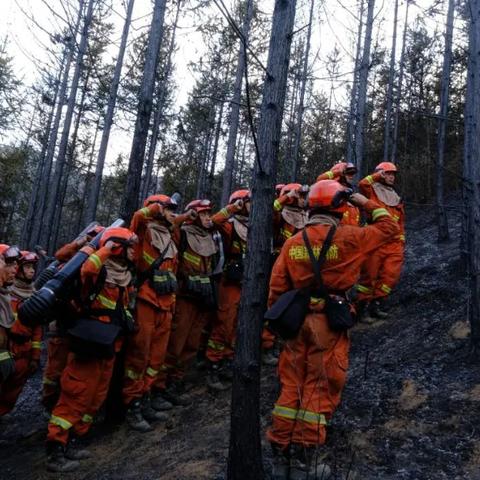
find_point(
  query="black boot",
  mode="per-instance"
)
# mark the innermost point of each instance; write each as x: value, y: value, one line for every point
x: 377, y: 309
x: 226, y: 370
x: 213, y: 378
x: 307, y: 463
x: 57, y: 461
x: 76, y: 450
x: 280, y: 463
x: 149, y: 413
x: 175, y: 394
x: 159, y: 402
x: 135, y: 418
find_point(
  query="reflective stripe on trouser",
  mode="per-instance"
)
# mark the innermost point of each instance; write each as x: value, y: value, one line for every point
x: 187, y: 326
x: 13, y: 386
x: 312, y: 371
x: 146, y: 350
x: 84, y: 387
x: 57, y: 356
x: 381, y: 271
x: 225, y: 323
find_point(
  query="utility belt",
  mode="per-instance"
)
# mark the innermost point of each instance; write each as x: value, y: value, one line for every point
x: 163, y: 282
x: 200, y: 286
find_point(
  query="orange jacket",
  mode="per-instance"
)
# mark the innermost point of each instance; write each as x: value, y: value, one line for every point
x: 234, y: 245
x: 344, y: 259
x: 146, y: 254
x: 398, y: 212
x: 108, y: 296
x: 65, y: 253
x: 24, y: 341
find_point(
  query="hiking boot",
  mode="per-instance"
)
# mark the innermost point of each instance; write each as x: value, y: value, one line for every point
x: 150, y: 414
x: 377, y: 310
x: 159, y: 402
x: 175, y: 394
x: 269, y: 358
x: 213, y: 378
x: 226, y: 370
x: 75, y: 450
x: 280, y: 463
x: 57, y: 461
x: 306, y: 463
x: 135, y: 419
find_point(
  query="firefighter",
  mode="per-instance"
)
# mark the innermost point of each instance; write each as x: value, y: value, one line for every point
x: 344, y: 173
x: 382, y: 271
x: 106, y: 284
x: 195, y: 299
x: 9, y: 256
x: 57, y: 345
x: 312, y: 366
x: 232, y: 223
x: 289, y: 218
x: 24, y: 343
x: 157, y: 260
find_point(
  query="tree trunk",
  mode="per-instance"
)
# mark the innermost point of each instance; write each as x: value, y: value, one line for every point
x: 301, y: 101
x: 245, y: 457
x: 144, y: 111
x: 213, y: 163
x: 62, y: 149
x: 112, y: 100
x: 362, y: 89
x: 235, y: 110
x: 354, y: 93
x: 398, y: 98
x: 161, y: 99
x: 391, y: 78
x: 443, y: 233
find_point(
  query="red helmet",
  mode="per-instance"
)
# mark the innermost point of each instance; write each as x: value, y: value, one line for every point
x: 200, y: 206
x: 278, y: 188
x: 163, y: 200
x: 240, y: 195
x: 329, y: 195
x: 28, y: 257
x: 123, y: 236
x: 10, y: 253
x: 386, y: 167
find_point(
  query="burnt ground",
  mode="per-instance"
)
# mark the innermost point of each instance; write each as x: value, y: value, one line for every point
x: 411, y: 408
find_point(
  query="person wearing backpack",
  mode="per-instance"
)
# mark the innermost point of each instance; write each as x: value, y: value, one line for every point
x: 313, y: 365
x: 106, y: 284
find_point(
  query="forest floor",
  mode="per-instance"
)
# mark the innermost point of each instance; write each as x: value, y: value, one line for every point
x: 410, y: 410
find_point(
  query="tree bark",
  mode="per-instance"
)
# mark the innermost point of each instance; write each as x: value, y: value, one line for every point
x: 391, y: 78
x: 112, y: 100
x: 144, y: 111
x: 443, y: 233
x: 62, y: 149
x: 235, y: 110
x: 245, y: 458
x: 362, y: 89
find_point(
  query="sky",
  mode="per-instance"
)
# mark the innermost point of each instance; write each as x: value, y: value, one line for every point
x: 334, y: 26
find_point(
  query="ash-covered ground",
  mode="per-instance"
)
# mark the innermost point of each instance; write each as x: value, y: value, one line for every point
x: 411, y: 408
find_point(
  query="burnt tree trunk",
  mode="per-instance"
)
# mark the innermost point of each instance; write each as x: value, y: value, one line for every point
x: 245, y: 457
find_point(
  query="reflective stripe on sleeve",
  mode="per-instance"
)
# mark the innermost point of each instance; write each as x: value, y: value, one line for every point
x: 5, y: 356
x: 37, y: 345
x: 379, y: 212
x: 277, y: 205
x: 95, y: 260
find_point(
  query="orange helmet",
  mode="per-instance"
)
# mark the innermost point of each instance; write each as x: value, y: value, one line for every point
x: 120, y: 235
x: 200, y: 206
x: 240, y: 195
x: 386, y: 167
x: 163, y: 200
x: 278, y: 188
x: 10, y: 253
x: 28, y: 257
x: 303, y: 189
x: 329, y: 195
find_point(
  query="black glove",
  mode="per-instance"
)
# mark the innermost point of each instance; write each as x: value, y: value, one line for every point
x: 7, y: 365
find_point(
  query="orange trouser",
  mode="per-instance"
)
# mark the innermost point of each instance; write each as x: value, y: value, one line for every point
x: 187, y: 327
x: 381, y: 272
x: 13, y: 386
x: 312, y: 371
x: 146, y: 351
x: 222, y: 339
x: 84, y: 385
x: 57, y: 356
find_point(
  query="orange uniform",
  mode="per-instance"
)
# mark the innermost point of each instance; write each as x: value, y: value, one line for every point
x: 147, y: 347
x: 222, y: 339
x: 382, y: 271
x: 25, y: 345
x: 85, y: 380
x: 312, y: 367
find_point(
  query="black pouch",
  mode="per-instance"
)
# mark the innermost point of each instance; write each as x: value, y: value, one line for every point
x: 234, y: 271
x: 286, y: 316
x: 163, y: 282
x: 91, y: 338
x: 339, y: 316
